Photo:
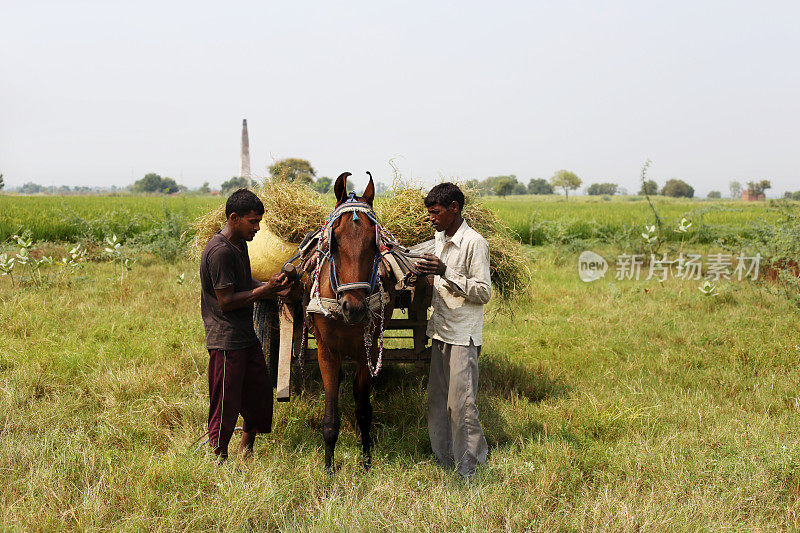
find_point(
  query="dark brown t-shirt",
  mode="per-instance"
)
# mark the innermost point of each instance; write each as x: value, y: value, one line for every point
x: 222, y: 265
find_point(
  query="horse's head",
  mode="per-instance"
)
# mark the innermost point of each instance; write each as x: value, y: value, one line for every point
x: 354, y: 250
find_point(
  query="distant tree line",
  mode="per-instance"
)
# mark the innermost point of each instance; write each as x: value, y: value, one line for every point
x: 509, y: 184
x: 792, y: 195
x: 296, y: 169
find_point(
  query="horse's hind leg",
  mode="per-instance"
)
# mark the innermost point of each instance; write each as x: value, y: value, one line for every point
x: 361, y: 388
x: 331, y: 376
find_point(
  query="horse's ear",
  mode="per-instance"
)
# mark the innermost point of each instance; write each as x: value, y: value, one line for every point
x: 340, y: 188
x: 369, y: 192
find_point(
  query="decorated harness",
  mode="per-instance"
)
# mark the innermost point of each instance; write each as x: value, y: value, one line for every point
x: 316, y: 249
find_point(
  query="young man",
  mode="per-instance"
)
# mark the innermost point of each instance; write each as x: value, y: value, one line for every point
x: 462, y: 286
x: 238, y: 379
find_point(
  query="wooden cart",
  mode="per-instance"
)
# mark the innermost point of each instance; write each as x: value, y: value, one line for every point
x: 415, y: 302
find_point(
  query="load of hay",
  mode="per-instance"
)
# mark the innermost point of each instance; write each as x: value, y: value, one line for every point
x: 293, y: 209
x: 402, y: 211
x: 290, y: 211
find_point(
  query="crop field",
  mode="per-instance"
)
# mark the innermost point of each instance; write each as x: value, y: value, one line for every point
x: 616, y: 405
x: 69, y: 218
x: 546, y: 219
x: 536, y: 219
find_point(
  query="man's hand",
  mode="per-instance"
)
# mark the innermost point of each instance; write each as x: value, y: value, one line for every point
x: 277, y: 285
x: 431, y: 265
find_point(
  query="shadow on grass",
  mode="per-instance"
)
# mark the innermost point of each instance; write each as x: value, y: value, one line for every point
x: 399, y: 401
x: 505, y: 379
x: 502, y: 379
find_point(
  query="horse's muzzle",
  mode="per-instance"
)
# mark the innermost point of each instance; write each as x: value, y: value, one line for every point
x: 354, y: 313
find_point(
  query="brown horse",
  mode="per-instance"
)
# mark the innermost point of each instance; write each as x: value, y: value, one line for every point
x: 350, y: 279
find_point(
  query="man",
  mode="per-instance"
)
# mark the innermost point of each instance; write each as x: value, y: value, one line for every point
x: 238, y: 379
x: 462, y: 286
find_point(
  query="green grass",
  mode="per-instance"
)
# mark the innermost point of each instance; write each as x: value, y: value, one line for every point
x: 70, y: 218
x: 625, y: 406
x: 536, y: 219
x: 551, y: 219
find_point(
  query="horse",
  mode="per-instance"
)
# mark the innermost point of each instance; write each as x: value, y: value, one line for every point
x: 351, y: 291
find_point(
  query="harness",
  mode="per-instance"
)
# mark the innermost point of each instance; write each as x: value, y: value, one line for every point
x: 376, y: 299
x: 316, y: 248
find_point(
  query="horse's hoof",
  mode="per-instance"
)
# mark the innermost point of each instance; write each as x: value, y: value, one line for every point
x: 366, y: 462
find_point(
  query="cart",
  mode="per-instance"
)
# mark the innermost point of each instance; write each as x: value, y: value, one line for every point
x: 414, y: 302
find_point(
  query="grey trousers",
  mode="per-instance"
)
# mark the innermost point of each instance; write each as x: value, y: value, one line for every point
x: 456, y: 435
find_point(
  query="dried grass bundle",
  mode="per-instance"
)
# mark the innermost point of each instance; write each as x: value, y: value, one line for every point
x: 402, y: 211
x: 291, y: 210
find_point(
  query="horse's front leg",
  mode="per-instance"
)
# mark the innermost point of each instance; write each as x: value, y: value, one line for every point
x: 330, y: 367
x: 361, y: 389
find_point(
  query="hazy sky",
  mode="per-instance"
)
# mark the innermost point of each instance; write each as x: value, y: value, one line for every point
x: 100, y: 93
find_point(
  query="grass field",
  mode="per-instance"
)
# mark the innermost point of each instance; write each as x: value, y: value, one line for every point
x: 549, y: 219
x: 536, y: 219
x: 70, y: 218
x: 608, y: 406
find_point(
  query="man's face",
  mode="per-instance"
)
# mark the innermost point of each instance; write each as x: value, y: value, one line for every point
x: 247, y: 225
x: 442, y: 217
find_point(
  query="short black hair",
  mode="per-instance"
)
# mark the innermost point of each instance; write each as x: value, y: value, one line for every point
x: 242, y: 202
x: 445, y: 194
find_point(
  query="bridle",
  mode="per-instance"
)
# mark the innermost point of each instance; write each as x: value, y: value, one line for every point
x: 331, y: 307
x: 351, y: 205
x: 375, y: 300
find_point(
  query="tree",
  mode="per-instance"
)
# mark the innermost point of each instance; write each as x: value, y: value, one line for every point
x: 32, y: 188
x: 566, y: 180
x: 714, y: 194
x: 539, y: 186
x: 677, y: 189
x: 153, y: 183
x: 293, y: 169
x: 169, y: 186
x: 380, y: 188
x: 519, y: 188
x: 736, y: 189
x: 322, y: 185
x: 504, y: 186
x: 478, y: 186
x: 649, y: 187
x: 598, y: 189
x: 204, y: 189
x: 2, y: 183
x: 489, y: 185
x: 757, y: 188
x: 236, y: 182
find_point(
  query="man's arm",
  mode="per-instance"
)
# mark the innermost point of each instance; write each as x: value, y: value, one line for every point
x: 476, y: 286
x: 277, y: 285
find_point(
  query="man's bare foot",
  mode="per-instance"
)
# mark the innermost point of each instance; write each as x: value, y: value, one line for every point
x: 222, y: 455
x: 246, y: 445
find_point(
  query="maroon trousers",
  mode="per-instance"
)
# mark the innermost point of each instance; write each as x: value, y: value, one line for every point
x: 238, y: 383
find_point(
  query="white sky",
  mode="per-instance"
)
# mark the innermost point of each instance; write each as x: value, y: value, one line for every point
x: 100, y: 93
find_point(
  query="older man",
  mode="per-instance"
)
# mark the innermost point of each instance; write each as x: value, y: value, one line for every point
x: 462, y: 286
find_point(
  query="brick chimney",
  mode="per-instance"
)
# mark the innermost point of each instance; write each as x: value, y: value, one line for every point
x: 244, y: 162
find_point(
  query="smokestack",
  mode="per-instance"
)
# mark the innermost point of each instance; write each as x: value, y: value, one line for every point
x: 244, y: 163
